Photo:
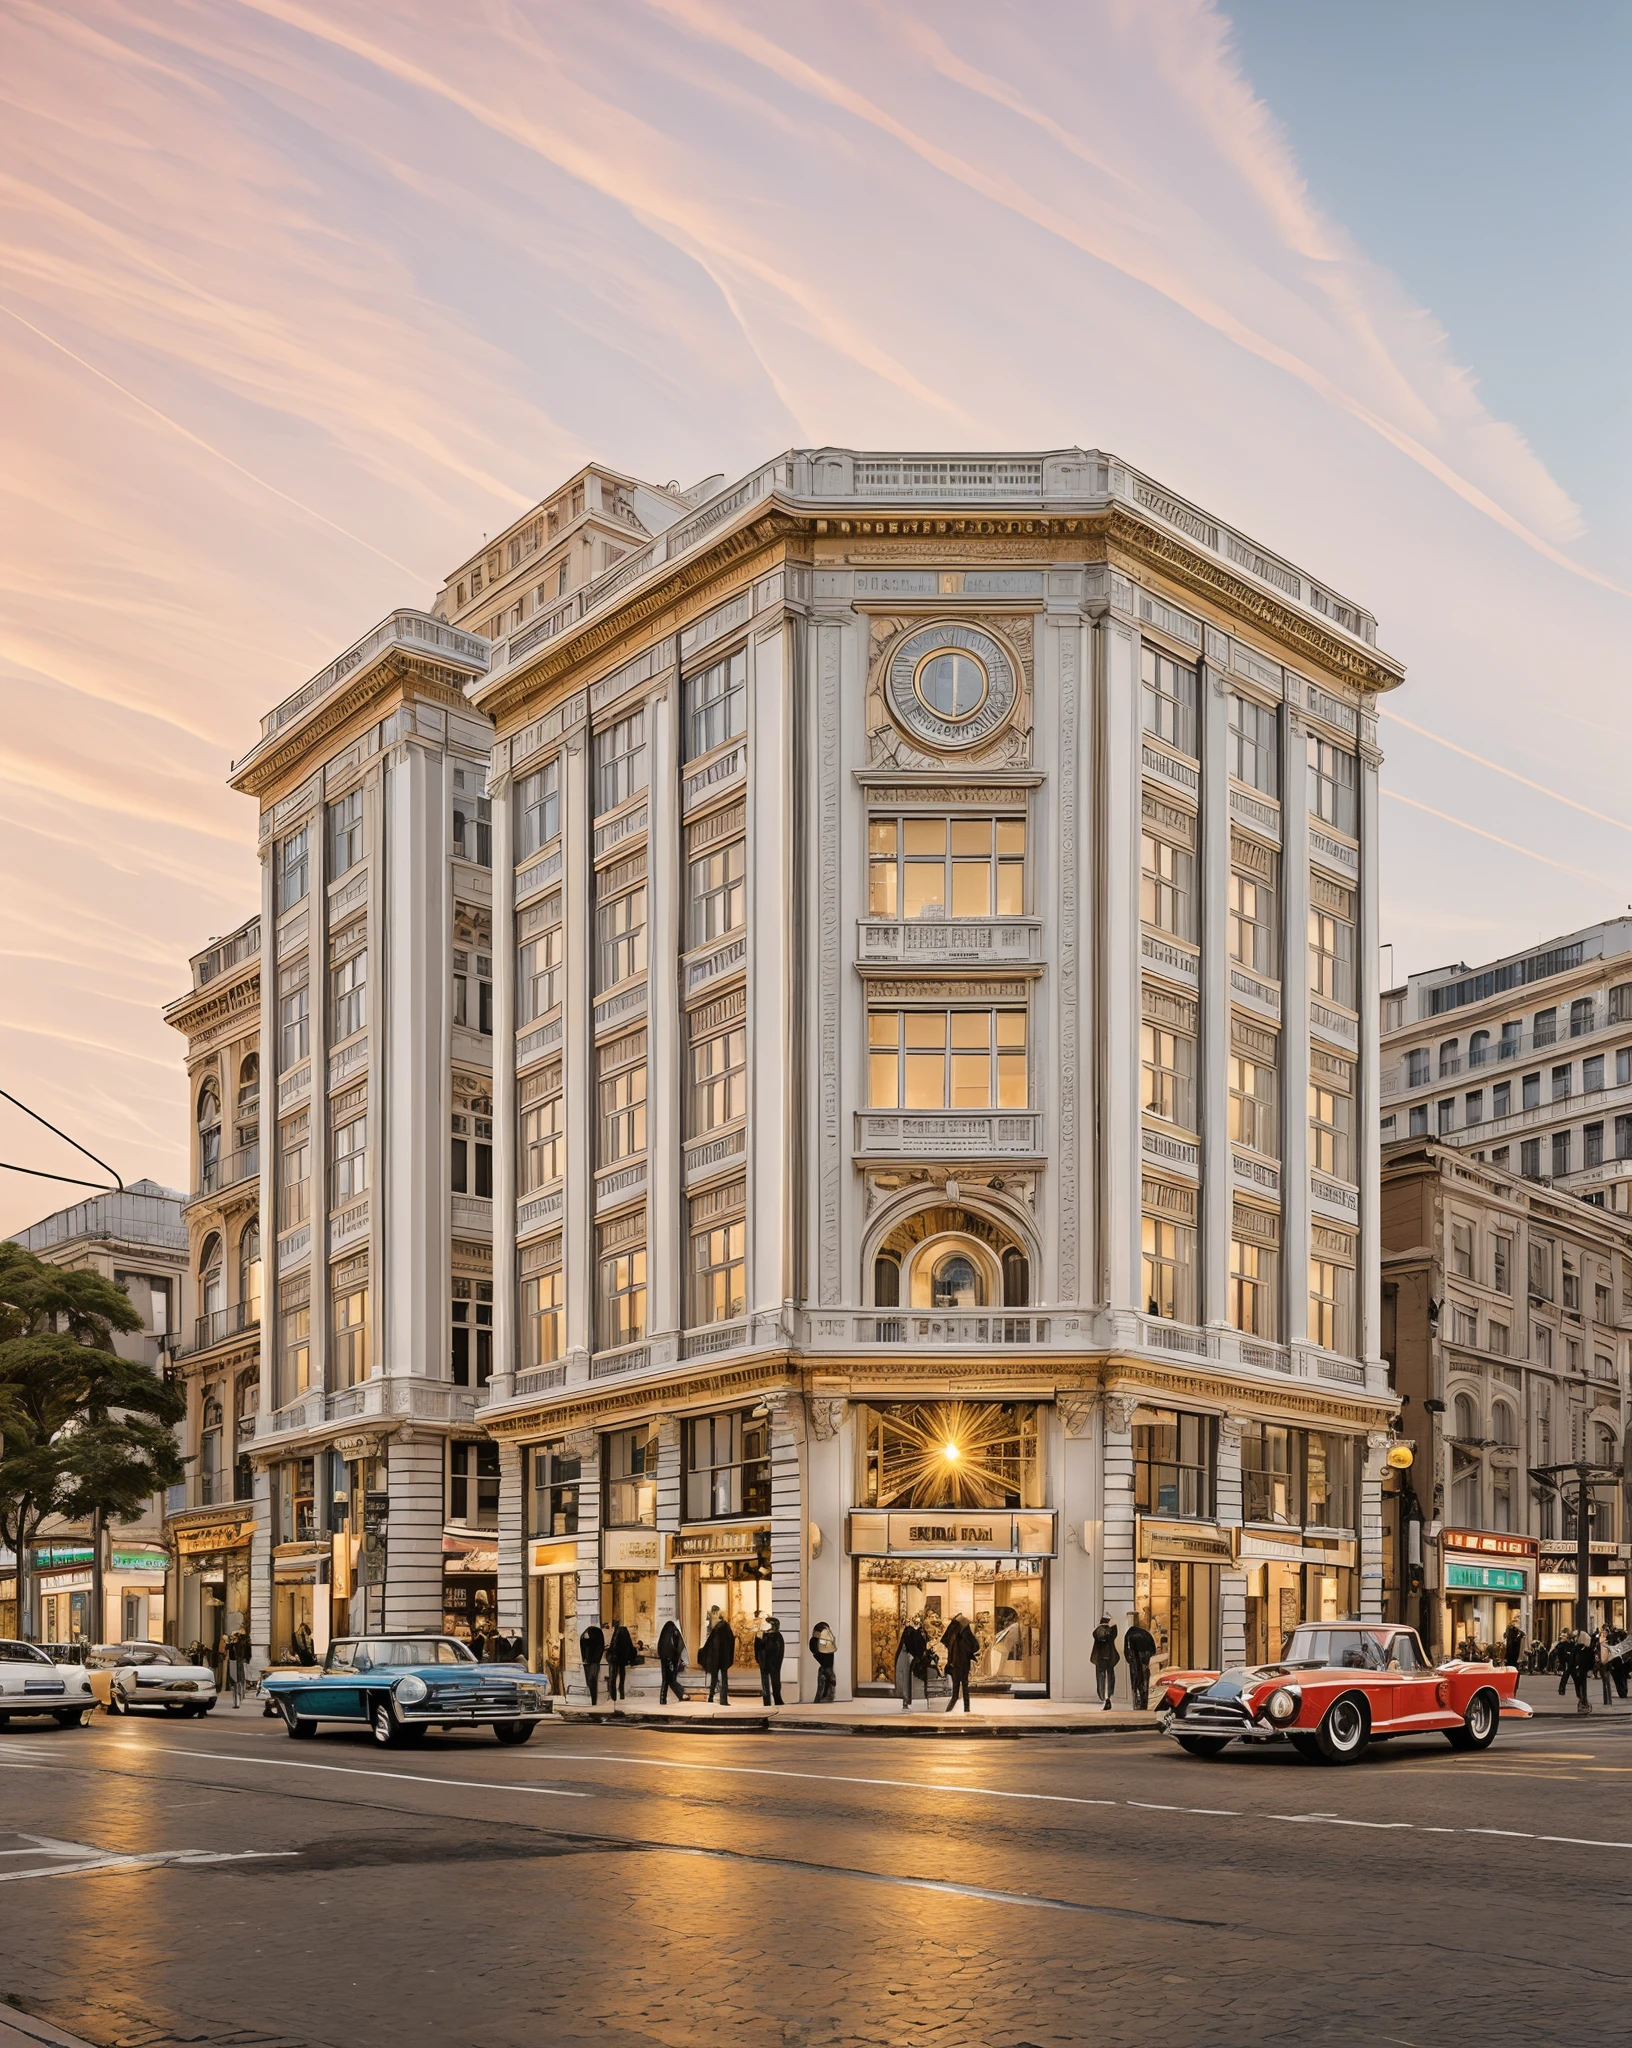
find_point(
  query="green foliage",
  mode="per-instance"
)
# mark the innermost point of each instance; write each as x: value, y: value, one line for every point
x: 80, y: 1427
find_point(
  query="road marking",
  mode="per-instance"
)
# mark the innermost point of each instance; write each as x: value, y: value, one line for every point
x: 79, y: 1859
x: 289, y: 1763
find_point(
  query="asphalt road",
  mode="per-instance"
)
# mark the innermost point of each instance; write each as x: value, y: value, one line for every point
x: 214, y: 1883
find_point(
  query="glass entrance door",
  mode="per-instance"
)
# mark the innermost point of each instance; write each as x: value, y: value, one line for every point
x: 555, y: 1627
x: 1004, y: 1602
x: 1178, y: 1603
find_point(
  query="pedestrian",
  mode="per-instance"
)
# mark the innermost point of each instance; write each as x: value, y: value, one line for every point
x: 1581, y: 1669
x: 1106, y: 1657
x: 824, y: 1647
x: 961, y: 1645
x: 1564, y: 1652
x: 718, y: 1654
x: 237, y: 1661
x: 1616, y: 1638
x: 769, y: 1647
x: 1512, y: 1644
x: 1139, y: 1646
x: 912, y: 1664
x: 671, y: 1661
x: 1599, y: 1662
x: 591, y: 1649
x: 620, y: 1654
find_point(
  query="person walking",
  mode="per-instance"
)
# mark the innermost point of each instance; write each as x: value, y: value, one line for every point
x: 1598, y: 1662
x: 770, y: 1646
x: 1580, y: 1668
x: 824, y: 1647
x: 912, y: 1664
x: 671, y: 1661
x: 237, y: 1664
x: 1139, y: 1647
x: 620, y: 1654
x: 1106, y: 1657
x: 1616, y: 1657
x: 592, y: 1649
x: 1513, y: 1644
x: 718, y: 1654
x: 961, y: 1645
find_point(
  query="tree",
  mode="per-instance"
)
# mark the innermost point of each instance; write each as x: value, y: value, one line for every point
x: 82, y: 1430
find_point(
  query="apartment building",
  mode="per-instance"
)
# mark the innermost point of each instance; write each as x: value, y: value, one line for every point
x: 935, y: 1082
x: 1507, y: 1320
x: 1525, y: 1062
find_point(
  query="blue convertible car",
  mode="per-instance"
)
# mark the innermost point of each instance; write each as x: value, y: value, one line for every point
x: 401, y: 1686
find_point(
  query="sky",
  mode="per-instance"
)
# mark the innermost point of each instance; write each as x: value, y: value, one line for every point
x: 298, y: 301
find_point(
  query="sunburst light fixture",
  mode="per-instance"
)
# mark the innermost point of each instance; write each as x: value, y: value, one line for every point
x: 962, y: 1454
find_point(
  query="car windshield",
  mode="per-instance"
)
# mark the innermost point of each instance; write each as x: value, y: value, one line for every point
x: 373, y: 1653
x: 1348, y: 1649
x: 22, y: 1653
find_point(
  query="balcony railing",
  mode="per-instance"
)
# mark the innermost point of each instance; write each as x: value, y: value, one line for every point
x: 228, y: 1170
x: 935, y: 1329
x: 216, y: 1325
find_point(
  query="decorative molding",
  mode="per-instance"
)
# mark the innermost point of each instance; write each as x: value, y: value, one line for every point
x: 830, y: 1237
x: 1070, y: 865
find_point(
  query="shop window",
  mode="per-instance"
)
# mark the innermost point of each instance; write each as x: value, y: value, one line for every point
x: 473, y: 1485
x: 629, y: 1477
x: 557, y: 1476
x: 1004, y: 1603
x: 1269, y: 1474
x: 1330, y: 1480
x: 472, y: 1349
x: 1174, y: 1463
x: 946, y: 867
x: 975, y: 1454
x: 727, y: 1465
x: 298, y: 1498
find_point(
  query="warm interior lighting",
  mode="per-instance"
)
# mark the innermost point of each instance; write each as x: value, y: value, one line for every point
x: 951, y: 1453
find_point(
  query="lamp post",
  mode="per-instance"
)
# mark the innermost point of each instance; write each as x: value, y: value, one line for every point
x: 1585, y: 1476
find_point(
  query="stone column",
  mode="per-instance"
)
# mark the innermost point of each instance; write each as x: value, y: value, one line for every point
x: 1118, y: 975
x: 788, y: 1535
x: 1295, y: 1212
x: 669, y: 1480
x: 772, y: 1112
x: 586, y: 1445
x: 1371, y: 1526
x: 512, y: 1539
x: 1213, y: 1093
x: 829, y: 1462
x: 666, y: 871
x: 1119, y: 1523
x: 1232, y: 1580
x: 506, y: 1135
x: 578, y: 880
x: 413, y: 1572
x: 1075, y: 1592
x: 1367, y: 1079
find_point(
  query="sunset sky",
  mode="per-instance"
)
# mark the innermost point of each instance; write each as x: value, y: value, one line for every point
x: 298, y: 301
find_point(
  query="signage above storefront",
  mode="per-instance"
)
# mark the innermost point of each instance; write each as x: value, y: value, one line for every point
x: 1488, y: 1543
x: 700, y: 1545
x: 555, y: 1557
x: 145, y: 1560
x: 1485, y: 1578
x: 213, y: 1536
x: 1562, y: 1585
x: 1180, y: 1540
x: 952, y: 1532
x: 631, y: 1550
x: 1256, y: 1547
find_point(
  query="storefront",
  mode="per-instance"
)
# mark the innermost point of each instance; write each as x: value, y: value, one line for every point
x: 722, y: 1571
x: 927, y: 1565
x: 1291, y: 1579
x: 1177, y: 1572
x: 299, y: 1572
x: 1487, y: 1585
x: 133, y: 1578
x: 213, y: 1590
x: 552, y: 1647
x: 630, y: 1559
x: 470, y: 1588
x: 1555, y: 1604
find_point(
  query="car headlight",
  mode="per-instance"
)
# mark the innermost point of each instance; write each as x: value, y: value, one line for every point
x: 411, y: 1690
x: 532, y: 1698
x: 1282, y: 1704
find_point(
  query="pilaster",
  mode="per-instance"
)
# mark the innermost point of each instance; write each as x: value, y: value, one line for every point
x: 1213, y: 1105
x: 1368, y: 1134
x: 771, y: 936
x: 1295, y: 1210
x: 506, y: 1130
x: 413, y: 1582
x: 578, y: 1249
x: 1232, y: 1590
x: 666, y: 868
x: 512, y: 1540
x: 1118, y: 972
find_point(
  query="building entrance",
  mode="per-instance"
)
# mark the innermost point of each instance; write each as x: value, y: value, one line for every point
x: 1178, y: 1602
x: 555, y: 1627
x: 1004, y: 1600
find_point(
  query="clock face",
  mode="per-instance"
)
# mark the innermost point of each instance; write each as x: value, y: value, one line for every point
x: 950, y: 685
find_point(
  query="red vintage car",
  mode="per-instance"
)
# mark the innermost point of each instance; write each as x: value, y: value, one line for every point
x: 1340, y: 1687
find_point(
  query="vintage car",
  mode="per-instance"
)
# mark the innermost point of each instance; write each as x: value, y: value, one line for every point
x: 30, y: 1683
x: 128, y: 1675
x: 401, y: 1686
x: 1338, y: 1688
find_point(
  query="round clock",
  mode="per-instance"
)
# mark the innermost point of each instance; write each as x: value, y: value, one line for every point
x: 950, y: 685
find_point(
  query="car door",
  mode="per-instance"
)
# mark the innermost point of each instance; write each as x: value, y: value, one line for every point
x: 1416, y: 1683
x: 335, y: 1695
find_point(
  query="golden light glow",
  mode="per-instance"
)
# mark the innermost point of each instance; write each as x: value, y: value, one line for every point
x: 950, y: 1453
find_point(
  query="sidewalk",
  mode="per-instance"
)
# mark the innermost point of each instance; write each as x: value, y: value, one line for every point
x: 1541, y: 1692
x: 992, y: 1717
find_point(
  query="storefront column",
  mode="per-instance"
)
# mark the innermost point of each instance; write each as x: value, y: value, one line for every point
x: 512, y: 1542
x: 668, y: 1520
x: 260, y: 1570
x: 1119, y: 1523
x: 1371, y: 1526
x: 586, y: 1446
x: 829, y: 1463
x: 413, y: 1542
x: 1232, y: 1590
x: 788, y: 1532
x: 1075, y: 1590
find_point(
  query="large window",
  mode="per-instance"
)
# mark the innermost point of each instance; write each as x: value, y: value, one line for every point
x: 1169, y: 692
x: 620, y: 1304
x: 539, y: 964
x: 620, y: 762
x: 473, y: 986
x: 1254, y: 1112
x: 1254, y: 1286
x: 295, y: 1171
x: 209, y: 1135
x: 620, y: 923
x: 295, y: 1335
x: 472, y: 1152
x: 620, y: 1099
x: 293, y: 870
x: 1332, y: 785
x: 472, y: 820
x: 1255, y: 745
x: 1331, y: 942
x: 1331, y: 1300
x: 727, y: 1465
x: 974, y: 1454
x: 348, y: 1166
x: 541, y: 1302
x: 557, y: 1479
x: 473, y: 1485
x: 1252, y: 908
x: 946, y: 867
x: 717, y: 893
x: 1167, y: 897
x: 538, y: 802
x: 947, y: 1059
x: 543, y: 1138
x: 629, y: 1477
x: 717, y: 704
x: 1331, y: 1117
x: 719, y: 1075
x: 348, y: 996
x: 1270, y: 1491
x: 719, y: 1256
x: 348, y: 1336
x: 345, y: 833
x: 471, y: 1349
x: 1330, y: 1489
x: 294, y: 1017
x: 1168, y: 1065
x: 1174, y: 1462
x: 1168, y: 1254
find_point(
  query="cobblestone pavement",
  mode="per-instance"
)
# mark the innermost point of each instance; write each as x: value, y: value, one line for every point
x: 213, y: 1883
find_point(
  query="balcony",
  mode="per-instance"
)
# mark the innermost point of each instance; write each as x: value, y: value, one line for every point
x: 944, y: 1329
x: 951, y: 942
x: 1004, y: 1134
x: 425, y: 1400
x: 216, y: 1325
x: 227, y: 953
x: 228, y: 1171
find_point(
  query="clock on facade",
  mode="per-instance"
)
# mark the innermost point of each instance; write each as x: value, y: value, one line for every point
x: 950, y: 685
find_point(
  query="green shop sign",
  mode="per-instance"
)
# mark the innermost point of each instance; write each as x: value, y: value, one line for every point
x: 1483, y: 1578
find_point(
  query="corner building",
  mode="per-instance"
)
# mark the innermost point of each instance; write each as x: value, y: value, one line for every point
x: 936, y: 1077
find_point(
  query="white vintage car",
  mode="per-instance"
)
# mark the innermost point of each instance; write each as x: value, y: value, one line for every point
x: 126, y: 1675
x: 31, y: 1684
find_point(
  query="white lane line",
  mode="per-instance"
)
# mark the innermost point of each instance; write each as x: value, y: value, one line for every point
x: 79, y: 1859
x: 289, y: 1763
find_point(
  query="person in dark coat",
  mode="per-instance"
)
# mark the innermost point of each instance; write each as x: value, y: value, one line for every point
x: 620, y: 1654
x: 912, y: 1663
x: 1139, y: 1646
x: 824, y: 1648
x: 961, y: 1645
x: 1512, y: 1644
x: 671, y: 1658
x: 1105, y: 1657
x: 592, y: 1648
x: 718, y: 1654
x: 1615, y: 1639
x: 769, y: 1647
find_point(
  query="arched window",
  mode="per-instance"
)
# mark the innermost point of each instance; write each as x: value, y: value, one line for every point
x: 249, y: 1088
x: 249, y: 1271
x: 1467, y: 1419
x: 955, y: 1282
x: 887, y: 1280
x: 1478, y: 1048
x: 210, y: 1487
x: 246, y: 1406
x: 211, y: 1287
x: 1016, y: 1280
x: 1502, y: 1425
x: 1448, y: 1063
x: 209, y: 1135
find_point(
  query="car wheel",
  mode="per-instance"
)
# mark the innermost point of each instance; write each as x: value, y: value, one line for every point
x: 298, y: 1726
x: 1479, y: 1724
x: 1344, y: 1730
x: 73, y: 1717
x: 383, y: 1723
x: 522, y: 1731
x: 1204, y: 1745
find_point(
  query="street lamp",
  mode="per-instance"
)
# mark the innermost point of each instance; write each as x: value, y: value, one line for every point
x: 1585, y: 1474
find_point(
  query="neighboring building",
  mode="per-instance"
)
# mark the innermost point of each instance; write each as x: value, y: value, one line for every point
x: 1507, y: 1309
x: 936, y: 1092
x: 137, y: 1240
x: 210, y: 1517
x: 1526, y: 1062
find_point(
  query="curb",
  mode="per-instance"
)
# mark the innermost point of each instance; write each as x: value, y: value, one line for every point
x: 946, y: 1729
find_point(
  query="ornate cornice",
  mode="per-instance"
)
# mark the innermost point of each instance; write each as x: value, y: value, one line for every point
x: 579, y: 1408
x: 203, y: 1010
x: 261, y: 773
